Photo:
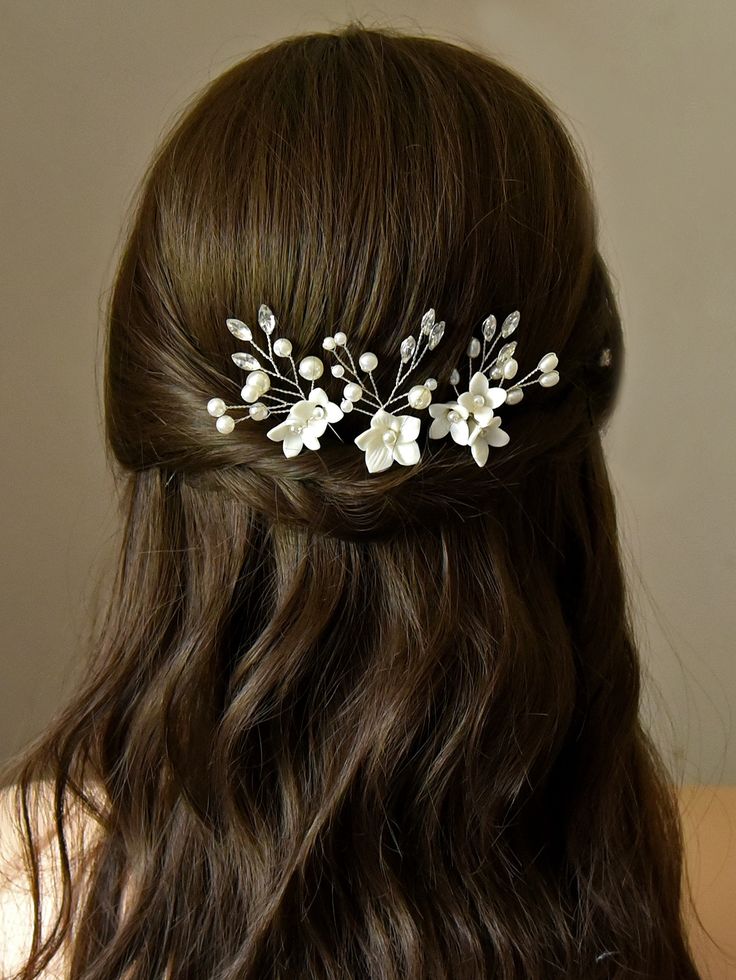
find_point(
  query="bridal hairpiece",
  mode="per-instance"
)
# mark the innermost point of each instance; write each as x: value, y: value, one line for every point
x: 468, y: 419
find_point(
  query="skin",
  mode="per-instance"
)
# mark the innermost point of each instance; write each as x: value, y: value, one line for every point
x: 709, y: 827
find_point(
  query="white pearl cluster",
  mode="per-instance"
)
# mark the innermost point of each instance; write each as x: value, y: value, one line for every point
x: 418, y: 397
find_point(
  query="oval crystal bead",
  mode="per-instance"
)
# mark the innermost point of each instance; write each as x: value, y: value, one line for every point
x: 435, y: 334
x: 266, y: 319
x: 408, y: 346
x: 239, y: 329
x: 245, y: 361
x: 510, y: 323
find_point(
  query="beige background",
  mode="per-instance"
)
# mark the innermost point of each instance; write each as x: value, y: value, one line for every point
x: 648, y: 87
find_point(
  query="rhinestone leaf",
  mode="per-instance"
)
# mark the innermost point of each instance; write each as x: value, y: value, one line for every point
x: 266, y: 319
x: 435, y: 335
x: 408, y: 346
x: 506, y: 352
x: 427, y: 321
x: 510, y: 323
x: 245, y: 361
x: 239, y: 329
x: 489, y: 327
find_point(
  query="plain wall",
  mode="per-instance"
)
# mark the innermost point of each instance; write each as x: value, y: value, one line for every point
x: 647, y: 88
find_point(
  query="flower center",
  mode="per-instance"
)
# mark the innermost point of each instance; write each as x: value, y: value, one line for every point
x: 296, y: 427
x: 479, y: 401
x: 318, y: 413
x: 389, y: 438
x: 453, y: 416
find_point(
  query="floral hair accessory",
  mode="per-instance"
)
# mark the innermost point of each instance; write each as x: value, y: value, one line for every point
x: 392, y: 436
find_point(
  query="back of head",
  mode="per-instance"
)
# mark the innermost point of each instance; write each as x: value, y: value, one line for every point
x: 366, y: 724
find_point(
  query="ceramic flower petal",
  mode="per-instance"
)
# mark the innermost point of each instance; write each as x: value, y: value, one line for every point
x: 410, y: 426
x: 406, y: 453
x: 381, y: 419
x: 478, y: 384
x: 318, y: 395
x: 475, y: 432
x: 459, y: 432
x: 309, y: 437
x: 363, y: 441
x: 302, y: 411
x: 483, y: 415
x: 496, y: 436
x: 378, y: 456
x: 439, y: 427
x: 293, y: 444
x: 439, y: 409
x: 441, y: 424
x: 334, y: 412
x: 279, y: 431
x: 479, y: 449
x: 496, y: 396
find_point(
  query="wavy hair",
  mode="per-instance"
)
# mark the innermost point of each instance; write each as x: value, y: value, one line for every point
x: 339, y: 724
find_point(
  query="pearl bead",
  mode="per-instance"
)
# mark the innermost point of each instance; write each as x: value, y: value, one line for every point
x: 225, y: 424
x: 329, y: 343
x: 337, y: 370
x: 368, y: 361
x: 514, y: 395
x: 431, y: 383
x: 389, y: 438
x: 258, y: 380
x: 479, y: 401
x: 453, y: 416
x: 259, y: 411
x: 340, y: 338
x: 474, y: 347
x: 547, y: 380
x: 249, y: 393
x: 419, y: 396
x: 216, y: 406
x: 510, y: 368
x: 282, y: 347
x: 548, y: 363
x: 353, y: 392
x: 497, y: 373
x: 311, y: 368
x: 318, y: 413
x: 346, y: 405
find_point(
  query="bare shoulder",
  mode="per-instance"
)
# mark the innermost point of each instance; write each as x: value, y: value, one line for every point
x: 709, y: 830
x: 17, y: 909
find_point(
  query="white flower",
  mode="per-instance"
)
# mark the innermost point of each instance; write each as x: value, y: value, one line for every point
x: 474, y: 405
x: 390, y: 437
x: 480, y: 399
x: 449, y: 417
x: 306, y: 421
x: 483, y: 436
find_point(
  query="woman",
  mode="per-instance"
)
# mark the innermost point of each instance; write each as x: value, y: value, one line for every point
x: 365, y: 699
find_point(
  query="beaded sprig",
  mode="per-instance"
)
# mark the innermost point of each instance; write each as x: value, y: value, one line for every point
x: 469, y: 419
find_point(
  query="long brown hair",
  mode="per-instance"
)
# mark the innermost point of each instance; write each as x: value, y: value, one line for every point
x: 362, y: 725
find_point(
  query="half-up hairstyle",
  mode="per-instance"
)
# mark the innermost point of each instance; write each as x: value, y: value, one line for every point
x: 348, y: 725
